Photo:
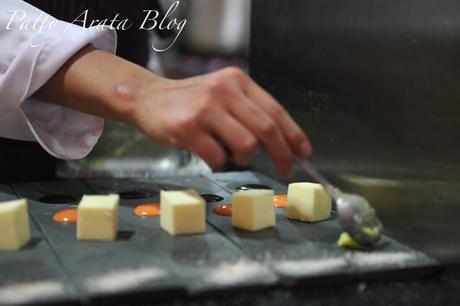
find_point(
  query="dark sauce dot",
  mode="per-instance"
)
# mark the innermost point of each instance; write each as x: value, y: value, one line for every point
x: 252, y: 186
x: 58, y: 199
x: 212, y: 198
x: 134, y: 195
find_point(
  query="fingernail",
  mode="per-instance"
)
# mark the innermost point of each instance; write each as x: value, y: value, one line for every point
x: 305, y: 149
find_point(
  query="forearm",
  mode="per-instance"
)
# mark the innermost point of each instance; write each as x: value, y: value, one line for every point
x: 99, y: 83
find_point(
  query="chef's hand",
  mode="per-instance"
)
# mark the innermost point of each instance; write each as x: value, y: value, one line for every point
x: 220, y: 115
x: 216, y: 116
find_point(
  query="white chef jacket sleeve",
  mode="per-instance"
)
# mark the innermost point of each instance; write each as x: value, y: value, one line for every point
x: 29, y: 57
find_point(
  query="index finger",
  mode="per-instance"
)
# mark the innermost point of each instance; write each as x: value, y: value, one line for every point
x: 297, y: 139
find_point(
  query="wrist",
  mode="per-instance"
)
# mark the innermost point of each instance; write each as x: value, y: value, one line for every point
x: 132, y: 94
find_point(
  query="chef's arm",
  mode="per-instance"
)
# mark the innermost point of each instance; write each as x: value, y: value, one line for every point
x: 216, y: 116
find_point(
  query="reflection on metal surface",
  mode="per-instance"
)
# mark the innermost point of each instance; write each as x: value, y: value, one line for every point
x: 123, y: 151
x: 252, y: 186
x: 384, y: 191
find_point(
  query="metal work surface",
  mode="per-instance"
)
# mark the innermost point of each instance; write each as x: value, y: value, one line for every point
x: 375, y: 85
x: 147, y: 265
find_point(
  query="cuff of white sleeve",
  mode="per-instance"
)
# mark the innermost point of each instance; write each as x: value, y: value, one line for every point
x: 62, y: 132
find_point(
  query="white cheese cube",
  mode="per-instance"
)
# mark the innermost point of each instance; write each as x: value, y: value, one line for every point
x: 182, y: 212
x: 98, y: 217
x: 308, y: 202
x: 14, y: 225
x: 253, y: 210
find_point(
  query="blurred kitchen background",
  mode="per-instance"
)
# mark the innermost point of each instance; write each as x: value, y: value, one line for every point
x: 216, y: 36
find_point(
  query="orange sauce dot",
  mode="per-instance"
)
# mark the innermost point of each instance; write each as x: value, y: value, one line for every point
x: 147, y: 210
x: 66, y: 216
x: 280, y: 200
x: 223, y: 210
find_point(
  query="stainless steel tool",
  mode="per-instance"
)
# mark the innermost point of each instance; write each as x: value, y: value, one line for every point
x: 357, y: 217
